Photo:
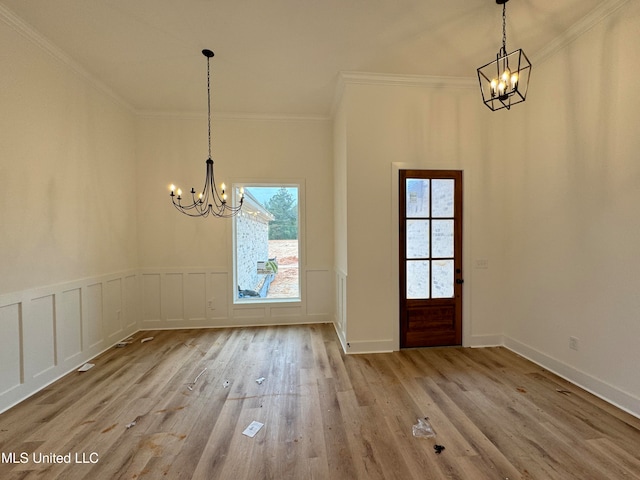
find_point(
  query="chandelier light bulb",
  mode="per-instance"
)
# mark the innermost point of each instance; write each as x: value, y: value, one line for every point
x: 506, y: 75
x: 514, y: 81
x: 179, y: 192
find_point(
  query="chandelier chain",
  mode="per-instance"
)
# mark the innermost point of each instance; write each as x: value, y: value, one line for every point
x: 504, y: 28
x: 209, y: 103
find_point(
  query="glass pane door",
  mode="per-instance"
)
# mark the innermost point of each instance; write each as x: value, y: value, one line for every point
x: 430, y: 234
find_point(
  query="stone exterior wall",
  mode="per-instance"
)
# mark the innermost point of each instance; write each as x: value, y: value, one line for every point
x: 252, y: 237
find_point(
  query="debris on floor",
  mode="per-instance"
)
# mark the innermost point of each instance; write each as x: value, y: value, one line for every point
x: 148, y: 339
x: 226, y: 384
x: 122, y: 344
x: 438, y: 448
x: 86, y: 367
x: 132, y: 424
x: 192, y: 384
x: 564, y: 392
x: 260, y: 380
x: 423, y: 429
x: 253, y: 428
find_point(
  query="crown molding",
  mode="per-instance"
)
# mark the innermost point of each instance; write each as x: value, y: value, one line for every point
x: 234, y: 116
x: 582, y: 26
x: 27, y: 31
x: 396, y: 80
x: 368, y: 78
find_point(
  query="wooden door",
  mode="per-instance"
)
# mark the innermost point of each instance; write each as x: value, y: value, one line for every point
x: 430, y: 258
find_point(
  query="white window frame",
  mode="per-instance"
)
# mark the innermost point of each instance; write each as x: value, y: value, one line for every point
x: 295, y: 183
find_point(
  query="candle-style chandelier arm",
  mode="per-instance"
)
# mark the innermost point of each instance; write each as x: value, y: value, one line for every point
x: 209, y: 201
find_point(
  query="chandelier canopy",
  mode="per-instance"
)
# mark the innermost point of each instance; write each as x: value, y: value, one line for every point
x: 209, y: 201
x: 505, y: 81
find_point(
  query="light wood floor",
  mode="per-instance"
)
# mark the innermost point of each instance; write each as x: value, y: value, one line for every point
x: 326, y: 415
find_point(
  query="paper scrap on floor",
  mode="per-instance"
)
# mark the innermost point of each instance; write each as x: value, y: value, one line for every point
x: 86, y: 367
x: 252, y: 429
x: 148, y: 339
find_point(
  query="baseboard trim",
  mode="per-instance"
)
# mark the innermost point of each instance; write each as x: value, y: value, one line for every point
x: 370, y: 346
x: 589, y: 383
x: 481, y: 341
x: 341, y: 336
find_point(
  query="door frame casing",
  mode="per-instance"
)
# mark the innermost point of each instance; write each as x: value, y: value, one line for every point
x: 395, y: 244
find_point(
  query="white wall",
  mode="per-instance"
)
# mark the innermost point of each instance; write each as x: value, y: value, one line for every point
x: 183, y: 256
x: 67, y: 163
x: 68, y: 244
x: 571, y: 253
x: 340, y: 220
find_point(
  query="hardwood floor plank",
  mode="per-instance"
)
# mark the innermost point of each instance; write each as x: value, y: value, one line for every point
x: 617, y: 459
x: 341, y: 461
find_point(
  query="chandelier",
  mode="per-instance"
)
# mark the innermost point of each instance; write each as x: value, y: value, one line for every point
x: 504, y: 82
x: 209, y: 201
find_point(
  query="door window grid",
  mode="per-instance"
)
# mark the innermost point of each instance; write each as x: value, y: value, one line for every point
x: 429, y: 242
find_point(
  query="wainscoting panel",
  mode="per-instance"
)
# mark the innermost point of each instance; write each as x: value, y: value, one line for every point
x: 92, y: 328
x: 130, y: 298
x: 285, y: 312
x: 11, y: 351
x: 151, y: 298
x: 319, y: 292
x: 219, y: 296
x: 69, y: 324
x: 50, y: 331
x: 195, y: 296
x: 172, y: 289
x: 112, y: 309
x: 38, y: 336
x: 256, y: 315
x: 341, y: 307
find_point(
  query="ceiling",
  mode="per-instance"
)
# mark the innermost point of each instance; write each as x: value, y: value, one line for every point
x: 283, y: 57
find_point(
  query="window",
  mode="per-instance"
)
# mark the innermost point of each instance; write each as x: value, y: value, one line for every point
x: 267, y: 244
